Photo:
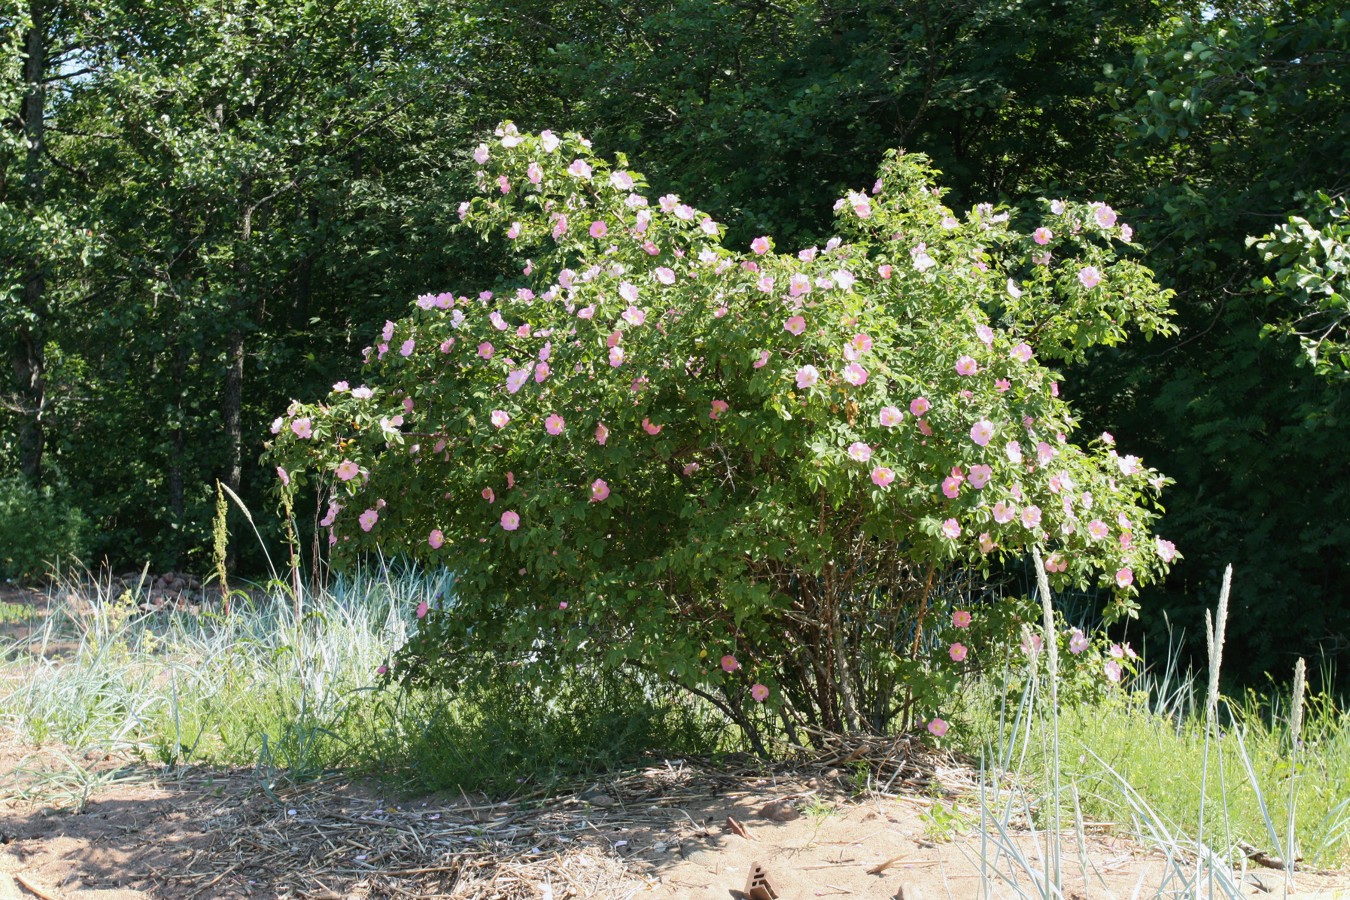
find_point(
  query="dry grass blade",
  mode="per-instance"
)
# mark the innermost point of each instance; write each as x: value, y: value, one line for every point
x: 34, y: 888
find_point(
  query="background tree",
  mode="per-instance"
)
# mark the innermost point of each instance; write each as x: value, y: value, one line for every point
x: 43, y: 232
x: 268, y: 174
x: 1231, y: 123
x: 227, y: 193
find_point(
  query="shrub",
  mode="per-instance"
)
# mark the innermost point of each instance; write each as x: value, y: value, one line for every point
x: 39, y: 530
x: 745, y: 472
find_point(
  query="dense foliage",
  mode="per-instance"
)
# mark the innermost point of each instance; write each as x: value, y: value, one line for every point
x: 206, y: 206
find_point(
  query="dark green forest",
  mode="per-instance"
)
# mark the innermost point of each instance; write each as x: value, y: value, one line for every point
x: 209, y: 208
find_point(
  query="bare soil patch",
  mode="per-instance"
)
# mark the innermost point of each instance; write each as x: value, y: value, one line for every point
x: 676, y: 829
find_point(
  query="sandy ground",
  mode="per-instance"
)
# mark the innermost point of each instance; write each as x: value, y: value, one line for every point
x: 113, y: 828
x: 673, y: 830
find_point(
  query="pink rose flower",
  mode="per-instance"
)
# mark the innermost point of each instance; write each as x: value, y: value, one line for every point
x: 982, y: 432
x: 859, y: 452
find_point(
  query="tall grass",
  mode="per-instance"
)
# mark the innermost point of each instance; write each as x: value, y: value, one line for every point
x: 260, y: 684
x: 289, y: 685
x: 1205, y: 783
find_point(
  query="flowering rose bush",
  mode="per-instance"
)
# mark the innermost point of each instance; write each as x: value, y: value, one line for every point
x: 657, y: 451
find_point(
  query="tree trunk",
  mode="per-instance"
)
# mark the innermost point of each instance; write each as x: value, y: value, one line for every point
x: 234, y: 351
x: 29, y: 360
x: 29, y: 373
x: 232, y: 399
x: 178, y: 455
